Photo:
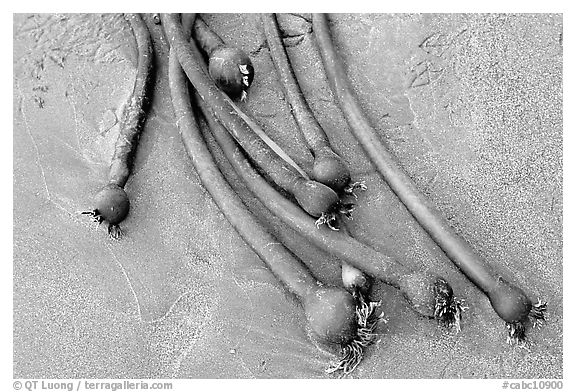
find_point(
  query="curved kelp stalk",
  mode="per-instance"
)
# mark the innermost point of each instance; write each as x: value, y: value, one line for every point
x: 508, y: 300
x: 112, y: 204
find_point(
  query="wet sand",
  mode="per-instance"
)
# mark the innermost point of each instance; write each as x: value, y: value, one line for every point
x: 470, y: 104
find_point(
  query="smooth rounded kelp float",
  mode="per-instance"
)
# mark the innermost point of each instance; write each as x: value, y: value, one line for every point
x: 230, y: 67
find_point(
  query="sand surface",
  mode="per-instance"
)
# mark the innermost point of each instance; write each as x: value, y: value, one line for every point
x: 470, y: 104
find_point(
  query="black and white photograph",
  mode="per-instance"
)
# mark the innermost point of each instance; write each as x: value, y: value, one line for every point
x: 287, y: 196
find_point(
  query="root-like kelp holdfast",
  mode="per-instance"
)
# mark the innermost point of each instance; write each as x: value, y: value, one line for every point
x: 509, y: 301
x: 315, y: 198
x: 330, y: 311
x: 230, y: 67
x: 112, y: 204
x: 428, y: 294
x: 329, y: 168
